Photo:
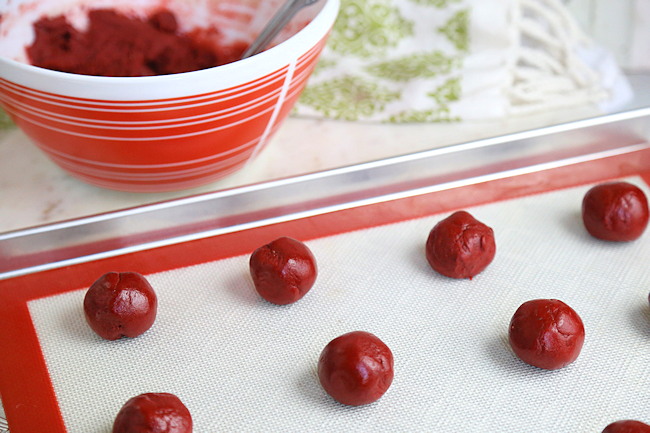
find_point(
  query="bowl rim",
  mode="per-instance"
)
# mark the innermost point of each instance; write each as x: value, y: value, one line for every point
x: 174, y: 85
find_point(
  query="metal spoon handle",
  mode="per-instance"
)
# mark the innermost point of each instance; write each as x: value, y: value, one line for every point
x: 277, y: 23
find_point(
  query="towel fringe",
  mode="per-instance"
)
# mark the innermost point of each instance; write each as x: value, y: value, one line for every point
x: 547, y: 69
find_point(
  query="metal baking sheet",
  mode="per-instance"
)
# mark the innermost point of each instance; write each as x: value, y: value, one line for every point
x: 61, y: 244
x: 46, y: 268
x: 243, y: 364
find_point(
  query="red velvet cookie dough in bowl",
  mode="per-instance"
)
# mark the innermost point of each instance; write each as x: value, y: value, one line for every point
x: 162, y: 132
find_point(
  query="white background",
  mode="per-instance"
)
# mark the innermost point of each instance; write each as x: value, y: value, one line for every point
x: 622, y: 26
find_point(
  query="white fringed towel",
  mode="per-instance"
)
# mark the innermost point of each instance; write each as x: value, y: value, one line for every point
x: 448, y: 60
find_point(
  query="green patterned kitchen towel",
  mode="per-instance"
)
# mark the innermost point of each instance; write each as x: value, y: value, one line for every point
x: 450, y: 60
x: 5, y: 121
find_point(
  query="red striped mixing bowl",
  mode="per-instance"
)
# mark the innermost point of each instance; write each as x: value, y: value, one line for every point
x: 165, y: 132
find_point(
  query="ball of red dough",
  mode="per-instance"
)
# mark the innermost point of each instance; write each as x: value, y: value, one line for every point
x: 546, y: 333
x: 283, y: 271
x: 153, y: 413
x: 356, y: 368
x: 120, y: 305
x: 460, y: 246
x: 627, y: 426
x: 616, y: 211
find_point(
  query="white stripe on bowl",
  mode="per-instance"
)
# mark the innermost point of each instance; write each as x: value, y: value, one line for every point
x: 139, y: 139
x: 153, y: 176
x: 217, y: 95
x: 159, y: 177
x: 156, y: 124
x: 171, y: 107
x: 156, y: 187
x: 276, y: 111
x: 90, y: 162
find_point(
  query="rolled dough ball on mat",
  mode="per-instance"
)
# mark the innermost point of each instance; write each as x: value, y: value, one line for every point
x: 616, y: 211
x: 546, y: 333
x: 460, y: 246
x: 153, y: 413
x: 627, y: 426
x: 356, y: 368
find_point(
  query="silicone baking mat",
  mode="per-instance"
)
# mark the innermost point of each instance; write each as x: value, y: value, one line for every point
x: 241, y: 364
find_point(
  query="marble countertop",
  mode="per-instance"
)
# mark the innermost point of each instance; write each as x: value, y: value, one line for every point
x: 34, y: 191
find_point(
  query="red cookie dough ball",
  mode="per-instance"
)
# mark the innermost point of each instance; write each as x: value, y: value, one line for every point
x: 460, y: 246
x: 120, y: 305
x: 283, y: 271
x: 356, y: 368
x: 615, y: 211
x: 546, y: 333
x: 153, y: 413
x: 627, y: 426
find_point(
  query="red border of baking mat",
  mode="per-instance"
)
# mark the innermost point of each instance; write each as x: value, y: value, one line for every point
x: 27, y: 393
